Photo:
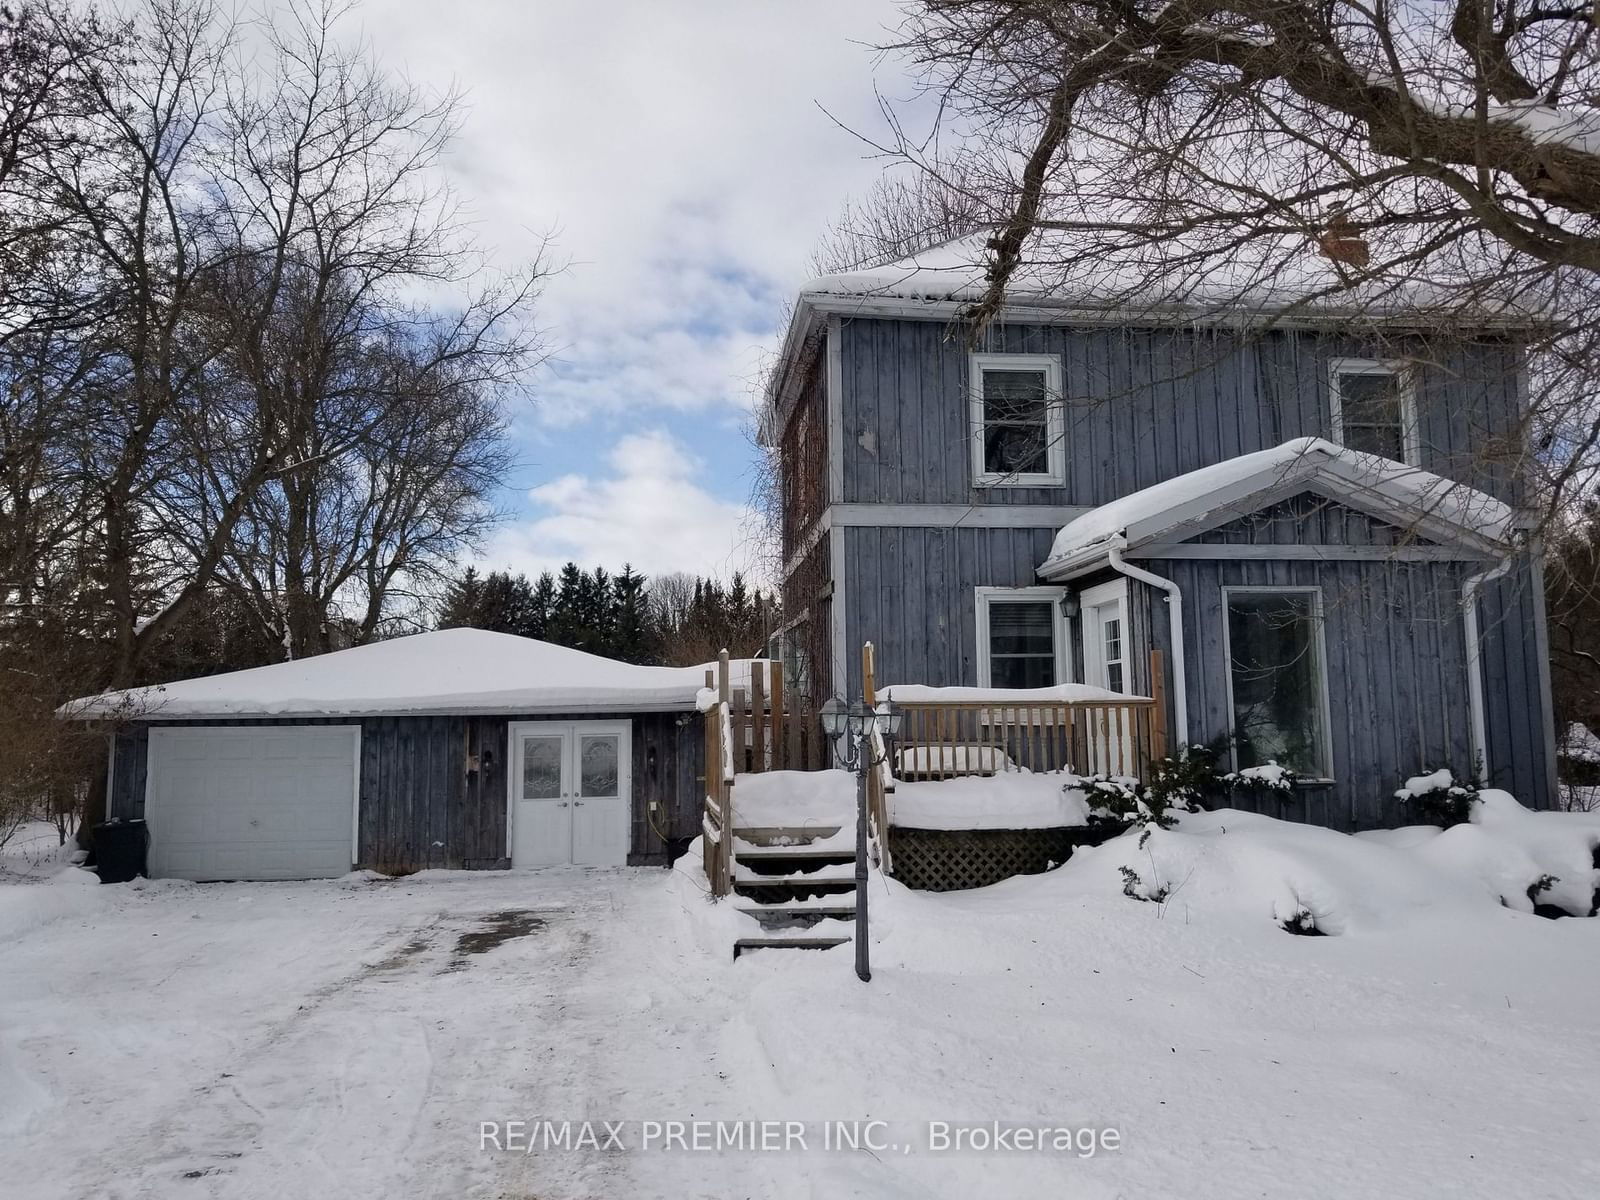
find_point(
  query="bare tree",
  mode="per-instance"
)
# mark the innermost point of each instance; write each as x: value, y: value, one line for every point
x: 234, y: 206
x: 1206, y: 145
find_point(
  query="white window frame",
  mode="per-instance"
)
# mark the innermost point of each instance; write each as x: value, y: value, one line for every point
x: 985, y: 596
x: 1410, y: 435
x: 1055, y: 420
x: 1090, y: 599
x: 1315, y: 592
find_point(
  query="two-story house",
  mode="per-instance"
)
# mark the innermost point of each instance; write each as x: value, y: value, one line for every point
x: 1308, y: 508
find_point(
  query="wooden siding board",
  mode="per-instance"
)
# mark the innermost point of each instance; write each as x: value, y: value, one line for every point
x: 1144, y: 405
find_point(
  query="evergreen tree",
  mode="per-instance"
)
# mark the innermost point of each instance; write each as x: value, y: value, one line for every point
x: 567, y: 615
x: 461, y: 601
x: 543, y: 605
x: 631, y: 639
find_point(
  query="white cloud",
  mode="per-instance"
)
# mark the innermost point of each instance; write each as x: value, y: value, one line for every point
x: 649, y: 511
x: 682, y: 158
x: 681, y: 155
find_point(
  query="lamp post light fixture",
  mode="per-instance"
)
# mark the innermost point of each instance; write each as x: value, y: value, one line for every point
x: 850, y: 727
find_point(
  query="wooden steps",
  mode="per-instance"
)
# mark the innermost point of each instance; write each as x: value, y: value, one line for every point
x: 789, y: 882
x: 746, y: 944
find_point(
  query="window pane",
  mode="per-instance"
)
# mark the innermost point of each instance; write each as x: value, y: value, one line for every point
x: 1371, y: 414
x: 1015, y: 449
x: 1022, y: 643
x: 1022, y: 672
x: 1021, y: 627
x: 1113, y: 632
x: 1114, y: 677
x: 598, y: 756
x: 1015, y: 422
x: 1386, y: 440
x: 1013, y: 394
x: 1277, y: 680
x: 541, y: 768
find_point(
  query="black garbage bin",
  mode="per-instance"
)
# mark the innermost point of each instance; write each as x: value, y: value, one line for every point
x: 120, y: 850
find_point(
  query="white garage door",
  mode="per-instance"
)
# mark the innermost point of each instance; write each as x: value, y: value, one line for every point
x: 252, y: 802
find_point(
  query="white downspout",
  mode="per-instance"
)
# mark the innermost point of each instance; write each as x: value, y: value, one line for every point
x: 1180, y: 684
x: 1475, y: 710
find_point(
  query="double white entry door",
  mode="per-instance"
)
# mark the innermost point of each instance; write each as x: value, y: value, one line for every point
x: 571, y: 791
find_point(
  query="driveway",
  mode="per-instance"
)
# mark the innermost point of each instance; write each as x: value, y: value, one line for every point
x: 341, y: 1038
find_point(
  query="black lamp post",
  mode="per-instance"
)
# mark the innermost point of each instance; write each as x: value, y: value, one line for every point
x: 850, y: 727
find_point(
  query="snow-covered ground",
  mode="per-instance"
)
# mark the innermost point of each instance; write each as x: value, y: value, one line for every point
x: 340, y: 1038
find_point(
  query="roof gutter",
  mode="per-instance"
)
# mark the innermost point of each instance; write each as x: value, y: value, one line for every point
x: 1180, y: 682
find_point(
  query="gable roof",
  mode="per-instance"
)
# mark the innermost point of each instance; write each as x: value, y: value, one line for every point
x: 1187, y: 504
x: 448, y: 671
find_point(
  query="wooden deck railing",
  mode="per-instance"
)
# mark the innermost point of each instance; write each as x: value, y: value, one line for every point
x: 746, y: 734
x: 945, y: 739
x: 769, y: 731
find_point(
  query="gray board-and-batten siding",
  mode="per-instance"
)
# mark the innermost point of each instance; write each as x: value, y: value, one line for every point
x: 1145, y: 405
x: 423, y: 806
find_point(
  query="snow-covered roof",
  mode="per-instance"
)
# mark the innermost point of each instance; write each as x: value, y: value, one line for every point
x: 1183, y: 278
x: 1407, y: 495
x: 448, y: 671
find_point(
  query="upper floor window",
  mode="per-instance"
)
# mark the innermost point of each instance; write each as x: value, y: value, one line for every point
x: 1373, y: 409
x: 1021, y: 642
x: 1018, y: 428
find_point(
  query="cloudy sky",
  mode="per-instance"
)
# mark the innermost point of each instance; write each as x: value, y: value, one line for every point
x: 682, y: 158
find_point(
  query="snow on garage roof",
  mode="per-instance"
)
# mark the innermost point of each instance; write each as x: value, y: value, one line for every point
x: 1406, y: 495
x: 447, y: 671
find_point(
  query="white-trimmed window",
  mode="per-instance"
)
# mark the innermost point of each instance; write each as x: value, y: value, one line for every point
x: 1018, y: 426
x: 1374, y: 408
x: 1277, y: 678
x: 1021, y: 637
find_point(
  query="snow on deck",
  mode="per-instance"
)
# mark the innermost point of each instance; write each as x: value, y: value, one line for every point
x: 446, y: 671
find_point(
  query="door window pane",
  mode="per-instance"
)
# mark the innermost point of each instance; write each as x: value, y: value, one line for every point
x: 1015, y: 423
x: 1275, y: 661
x: 597, y: 775
x: 1372, y: 414
x: 1022, y: 643
x: 541, y: 768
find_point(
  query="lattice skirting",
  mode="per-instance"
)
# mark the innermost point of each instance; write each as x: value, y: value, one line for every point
x: 949, y: 860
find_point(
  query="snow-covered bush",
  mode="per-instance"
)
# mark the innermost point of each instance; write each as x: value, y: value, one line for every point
x: 1271, y: 778
x: 1112, y: 799
x: 1186, y: 782
x: 1438, y: 799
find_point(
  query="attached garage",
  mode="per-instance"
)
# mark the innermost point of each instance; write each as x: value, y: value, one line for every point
x: 459, y: 749
x: 252, y: 801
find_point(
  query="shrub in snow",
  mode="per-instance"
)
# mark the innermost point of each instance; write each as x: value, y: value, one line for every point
x: 1134, y: 887
x: 1270, y: 779
x: 1185, y: 782
x: 1117, y: 800
x: 1437, y: 799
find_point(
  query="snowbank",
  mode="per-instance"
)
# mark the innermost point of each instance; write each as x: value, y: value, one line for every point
x: 1015, y: 800
x: 1239, y: 864
x: 70, y: 892
x: 804, y: 798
